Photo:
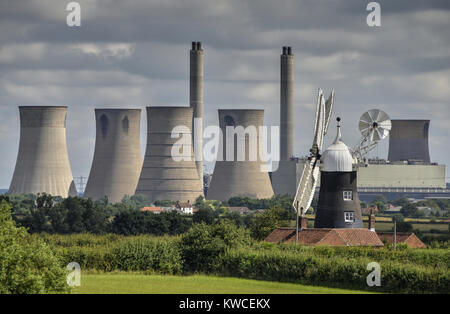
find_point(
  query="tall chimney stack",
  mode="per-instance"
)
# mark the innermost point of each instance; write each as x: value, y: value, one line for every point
x: 287, y: 104
x: 196, y: 102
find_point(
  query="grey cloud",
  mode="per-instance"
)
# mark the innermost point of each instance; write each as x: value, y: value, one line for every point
x: 135, y: 55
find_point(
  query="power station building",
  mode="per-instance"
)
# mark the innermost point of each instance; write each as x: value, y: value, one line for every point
x: 408, y: 141
x: 169, y: 171
x: 409, y: 174
x: 196, y: 102
x: 289, y: 169
x: 117, y: 159
x: 235, y: 177
x: 43, y: 162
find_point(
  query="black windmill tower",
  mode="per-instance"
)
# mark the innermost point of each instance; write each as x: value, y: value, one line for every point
x: 338, y: 205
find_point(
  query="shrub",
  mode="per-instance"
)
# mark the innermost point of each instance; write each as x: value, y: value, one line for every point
x: 202, y: 245
x: 27, y: 265
x: 313, y: 269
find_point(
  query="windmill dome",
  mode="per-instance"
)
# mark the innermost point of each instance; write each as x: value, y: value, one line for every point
x: 337, y: 157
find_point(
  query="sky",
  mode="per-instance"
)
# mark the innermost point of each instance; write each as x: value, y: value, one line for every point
x: 133, y: 54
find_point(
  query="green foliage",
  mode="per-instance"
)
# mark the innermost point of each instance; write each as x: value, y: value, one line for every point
x: 282, y: 201
x: 70, y: 215
x: 226, y: 250
x: 114, y: 252
x: 404, y: 227
x: 135, y: 222
x: 203, y: 244
x: 26, y: 265
x: 409, y: 210
x: 310, y: 267
x: 205, y: 215
x: 397, y: 218
x: 264, y: 223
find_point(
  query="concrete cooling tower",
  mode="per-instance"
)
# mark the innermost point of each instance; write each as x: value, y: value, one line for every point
x: 43, y: 162
x: 240, y: 178
x: 162, y: 176
x: 117, y: 159
x: 196, y: 102
x: 408, y: 141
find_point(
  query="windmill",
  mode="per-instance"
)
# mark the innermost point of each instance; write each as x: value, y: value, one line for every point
x: 374, y: 126
x: 310, y: 175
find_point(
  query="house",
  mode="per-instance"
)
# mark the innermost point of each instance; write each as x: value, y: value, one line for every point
x: 408, y: 238
x: 325, y: 236
x: 153, y: 209
x: 393, y: 210
x: 185, y: 208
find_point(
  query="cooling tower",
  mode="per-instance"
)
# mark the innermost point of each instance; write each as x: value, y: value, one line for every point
x: 42, y: 162
x: 240, y: 178
x: 163, y: 177
x: 117, y: 157
x: 408, y: 140
x: 196, y: 102
x: 287, y: 104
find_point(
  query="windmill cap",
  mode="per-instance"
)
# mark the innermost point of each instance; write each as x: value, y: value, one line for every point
x: 337, y: 157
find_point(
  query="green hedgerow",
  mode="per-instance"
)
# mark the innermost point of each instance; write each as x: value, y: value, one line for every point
x: 27, y: 265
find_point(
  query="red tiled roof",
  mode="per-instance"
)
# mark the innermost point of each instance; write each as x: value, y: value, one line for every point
x: 333, y: 237
x: 359, y: 237
x: 409, y: 238
x: 151, y: 209
x: 280, y: 235
x: 309, y: 236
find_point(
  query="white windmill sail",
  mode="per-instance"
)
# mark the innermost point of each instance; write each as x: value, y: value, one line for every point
x: 310, y: 175
x: 328, y: 111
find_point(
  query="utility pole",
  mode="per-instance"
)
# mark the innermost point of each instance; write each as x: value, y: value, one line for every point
x: 395, y: 234
x: 296, y: 227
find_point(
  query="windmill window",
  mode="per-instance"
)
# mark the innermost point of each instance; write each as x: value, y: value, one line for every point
x: 349, y: 216
x: 348, y: 195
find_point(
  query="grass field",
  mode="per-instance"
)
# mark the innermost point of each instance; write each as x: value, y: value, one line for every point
x: 387, y: 226
x: 115, y: 283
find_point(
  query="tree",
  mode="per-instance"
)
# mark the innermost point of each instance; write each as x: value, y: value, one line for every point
x: 266, y: 222
x: 404, y: 227
x: 26, y: 265
x: 409, y: 210
x: 397, y: 218
x: 204, y: 214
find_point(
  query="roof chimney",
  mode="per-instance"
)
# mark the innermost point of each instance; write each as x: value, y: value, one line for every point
x: 372, y: 222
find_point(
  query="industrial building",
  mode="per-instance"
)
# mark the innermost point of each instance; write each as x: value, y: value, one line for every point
x: 162, y: 177
x: 408, y: 170
x: 117, y: 159
x: 43, y: 162
x: 240, y: 178
x: 289, y: 170
x: 196, y: 102
x: 410, y: 174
